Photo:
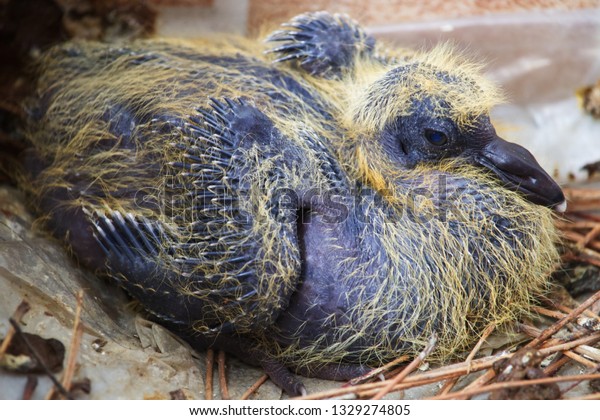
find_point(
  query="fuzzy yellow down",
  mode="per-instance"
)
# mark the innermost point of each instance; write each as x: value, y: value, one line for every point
x: 433, y: 273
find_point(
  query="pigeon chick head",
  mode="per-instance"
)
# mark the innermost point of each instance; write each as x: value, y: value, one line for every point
x: 433, y: 107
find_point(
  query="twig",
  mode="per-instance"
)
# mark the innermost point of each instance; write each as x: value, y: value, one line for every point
x: 582, y: 258
x: 534, y: 332
x: 586, y: 216
x: 421, y: 378
x: 222, y: 376
x: 582, y: 194
x: 370, y: 388
x: 590, y: 236
x: 596, y: 368
x: 479, y: 382
x: 570, y: 225
x: 514, y: 384
x: 595, y: 396
x: 486, y: 333
x: 446, y: 373
x: 554, y: 328
x: 556, y: 365
x: 555, y: 343
x: 21, y: 310
x: 579, y: 240
x: 548, y: 312
x: 579, y: 359
x: 448, y: 385
x: 208, y: 385
x: 408, y: 369
x: 591, y: 338
x: 255, y: 387
x: 376, y: 372
x: 37, y: 357
x: 566, y: 309
x: 75, y: 343
x: 7, y: 340
x: 591, y: 352
x: 73, y: 348
x: 489, y: 375
x: 486, y: 377
x: 30, y: 386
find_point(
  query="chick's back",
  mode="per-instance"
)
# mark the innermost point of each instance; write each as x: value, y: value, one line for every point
x: 132, y: 161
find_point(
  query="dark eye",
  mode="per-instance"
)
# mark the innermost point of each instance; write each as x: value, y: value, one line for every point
x: 437, y: 138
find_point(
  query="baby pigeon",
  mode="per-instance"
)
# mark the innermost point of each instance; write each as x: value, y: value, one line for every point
x: 324, y: 207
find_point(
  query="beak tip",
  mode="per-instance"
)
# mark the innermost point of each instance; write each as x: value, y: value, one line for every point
x: 561, y: 207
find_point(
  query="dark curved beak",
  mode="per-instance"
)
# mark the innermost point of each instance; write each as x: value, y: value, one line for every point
x: 519, y: 170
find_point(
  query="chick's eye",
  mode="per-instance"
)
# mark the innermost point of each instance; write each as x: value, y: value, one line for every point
x: 435, y: 137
